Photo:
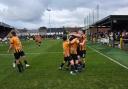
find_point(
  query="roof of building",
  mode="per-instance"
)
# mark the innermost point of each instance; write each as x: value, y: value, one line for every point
x: 5, y: 25
x: 111, y: 18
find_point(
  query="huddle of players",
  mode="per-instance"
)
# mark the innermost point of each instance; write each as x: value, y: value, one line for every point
x: 74, y: 50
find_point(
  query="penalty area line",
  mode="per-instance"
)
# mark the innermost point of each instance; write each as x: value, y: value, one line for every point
x: 109, y: 58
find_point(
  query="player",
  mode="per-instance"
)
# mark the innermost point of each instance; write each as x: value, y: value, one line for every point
x: 16, y: 46
x: 73, y: 50
x: 38, y: 40
x: 66, y: 51
x: 80, y: 65
x: 67, y: 58
x: 83, y: 48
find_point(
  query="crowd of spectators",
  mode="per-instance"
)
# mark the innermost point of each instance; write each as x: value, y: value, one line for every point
x: 111, y: 38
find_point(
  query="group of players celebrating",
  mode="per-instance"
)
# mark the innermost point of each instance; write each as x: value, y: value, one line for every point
x: 74, y: 50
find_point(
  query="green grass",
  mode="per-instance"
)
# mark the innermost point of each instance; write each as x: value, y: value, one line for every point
x: 100, y: 72
x: 115, y: 53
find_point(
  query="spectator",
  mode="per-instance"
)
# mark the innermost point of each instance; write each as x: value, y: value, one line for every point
x: 111, y: 39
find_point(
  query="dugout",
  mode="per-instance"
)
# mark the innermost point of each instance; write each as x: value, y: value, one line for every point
x: 112, y: 23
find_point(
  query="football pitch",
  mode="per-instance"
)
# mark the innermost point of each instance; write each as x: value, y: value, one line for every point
x: 100, y: 72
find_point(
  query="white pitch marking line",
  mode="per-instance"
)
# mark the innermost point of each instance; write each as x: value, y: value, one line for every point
x: 52, y: 52
x: 109, y: 58
x: 33, y: 53
x: 12, y: 54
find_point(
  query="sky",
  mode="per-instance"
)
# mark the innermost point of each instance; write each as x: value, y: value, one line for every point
x: 33, y: 14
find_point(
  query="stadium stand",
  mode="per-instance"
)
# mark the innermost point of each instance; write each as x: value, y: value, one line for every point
x: 112, y: 30
x: 4, y: 30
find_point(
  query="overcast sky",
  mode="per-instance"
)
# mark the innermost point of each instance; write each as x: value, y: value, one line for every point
x: 33, y: 13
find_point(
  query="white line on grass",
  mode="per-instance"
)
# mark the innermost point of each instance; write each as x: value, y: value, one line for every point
x: 12, y: 54
x: 38, y: 53
x: 53, y: 52
x: 33, y: 53
x: 45, y: 53
x: 109, y: 58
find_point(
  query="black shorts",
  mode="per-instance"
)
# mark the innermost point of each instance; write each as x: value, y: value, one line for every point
x: 81, y: 54
x: 78, y: 52
x: 66, y: 59
x: 19, y: 54
x: 74, y: 56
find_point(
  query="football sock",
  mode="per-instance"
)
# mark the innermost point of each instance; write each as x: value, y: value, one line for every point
x: 72, y: 68
x: 83, y: 65
x: 62, y: 64
x: 25, y: 62
x: 68, y: 64
x: 76, y: 66
x: 19, y: 67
